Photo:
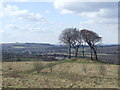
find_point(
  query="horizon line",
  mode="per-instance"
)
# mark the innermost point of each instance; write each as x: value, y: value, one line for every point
x: 51, y: 43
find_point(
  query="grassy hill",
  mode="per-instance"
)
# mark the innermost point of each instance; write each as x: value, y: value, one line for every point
x: 72, y: 73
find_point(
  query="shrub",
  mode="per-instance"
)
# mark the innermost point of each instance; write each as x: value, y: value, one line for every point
x: 38, y: 66
x: 74, y: 59
x: 50, y: 65
x: 9, y: 67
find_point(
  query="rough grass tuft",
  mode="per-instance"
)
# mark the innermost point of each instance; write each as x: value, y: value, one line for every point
x: 102, y: 70
x: 38, y: 66
x: 85, y: 68
x: 50, y: 65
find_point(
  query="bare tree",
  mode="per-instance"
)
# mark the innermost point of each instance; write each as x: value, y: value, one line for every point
x: 76, y: 40
x: 83, y: 48
x: 71, y: 37
x: 92, y: 40
x: 66, y: 38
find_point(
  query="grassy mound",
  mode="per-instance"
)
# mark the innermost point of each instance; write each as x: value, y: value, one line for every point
x: 71, y: 73
x: 79, y: 60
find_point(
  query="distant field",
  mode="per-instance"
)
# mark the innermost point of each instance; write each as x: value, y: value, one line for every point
x: 19, y: 47
x: 72, y: 73
x: 24, y: 52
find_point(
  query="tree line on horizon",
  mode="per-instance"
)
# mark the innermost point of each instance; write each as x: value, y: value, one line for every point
x: 74, y: 38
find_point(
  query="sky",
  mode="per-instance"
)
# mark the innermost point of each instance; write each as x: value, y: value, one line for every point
x: 43, y: 22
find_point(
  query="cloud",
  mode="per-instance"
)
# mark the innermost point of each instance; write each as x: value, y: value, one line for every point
x: 15, y: 0
x: 27, y: 33
x: 12, y: 27
x: 93, y: 12
x: 13, y: 12
x: 47, y: 11
x: 27, y: 0
x: 101, y: 13
x: 26, y: 28
x: 88, y: 9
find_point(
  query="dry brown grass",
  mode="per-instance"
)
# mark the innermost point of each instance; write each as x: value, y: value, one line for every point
x: 38, y: 66
x: 66, y: 75
x: 102, y: 70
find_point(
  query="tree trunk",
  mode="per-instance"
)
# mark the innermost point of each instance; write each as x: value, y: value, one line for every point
x: 83, y: 52
x: 95, y: 53
x: 76, y: 52
x: 90, y: 45
x: 91, y: 53
x: 69, y: 51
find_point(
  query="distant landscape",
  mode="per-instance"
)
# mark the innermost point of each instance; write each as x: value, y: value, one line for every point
x: 31, y: 51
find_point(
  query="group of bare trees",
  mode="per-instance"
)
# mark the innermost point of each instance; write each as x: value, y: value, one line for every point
x: 74, y: 38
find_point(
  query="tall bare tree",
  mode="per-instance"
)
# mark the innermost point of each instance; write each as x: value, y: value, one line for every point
x: 76, y: 40
x: 83, y: 48
x: 92, y: 40
x: 71, y: 37
x: 66, y: 38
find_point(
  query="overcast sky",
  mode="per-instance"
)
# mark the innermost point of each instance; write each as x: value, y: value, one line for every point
x: 42, y: 22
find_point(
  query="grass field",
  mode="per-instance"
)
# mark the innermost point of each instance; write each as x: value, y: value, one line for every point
x: 72, y: 73
x: 19, y: 47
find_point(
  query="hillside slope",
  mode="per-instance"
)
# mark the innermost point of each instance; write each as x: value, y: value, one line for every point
x: 65, y: 74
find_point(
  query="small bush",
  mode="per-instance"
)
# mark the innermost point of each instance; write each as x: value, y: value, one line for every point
x: 9, y: 66
x: 50, y: 65
x: 38, y: 66
x: 102, y: 69
x: 74, y: 59
x: 13, y: 74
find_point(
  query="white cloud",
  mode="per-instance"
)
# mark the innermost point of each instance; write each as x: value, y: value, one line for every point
x: 14, y: 12
x: 28, y: 0
x: 15, y: 0
x: 26, y: 28
x: 101, y: 13
x: 27, y: 33
x: 11, y: 26
x: 47, y: 11
x: 60, y: 0
x: 88, y: 9
x: 64, y: 11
